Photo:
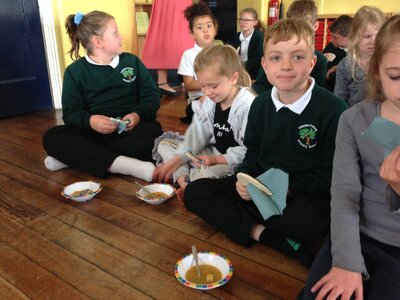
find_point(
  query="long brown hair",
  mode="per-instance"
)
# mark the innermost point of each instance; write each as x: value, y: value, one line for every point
x: 387, y: 36
x: 254, y: 14
x: 91, y: 24
x: 366, y: 15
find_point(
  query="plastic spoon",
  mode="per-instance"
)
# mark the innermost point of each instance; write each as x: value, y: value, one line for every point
x: 196, y: 259
x: 149, y: 194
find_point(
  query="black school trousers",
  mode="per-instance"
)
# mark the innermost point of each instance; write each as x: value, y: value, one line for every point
x: 93, y: 153
x: 383, y: 266
x: 304, y: 220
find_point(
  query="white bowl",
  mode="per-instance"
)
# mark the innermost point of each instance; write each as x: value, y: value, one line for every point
x: 167, y: 189
x: 210, y: 258
x: 69, y: 190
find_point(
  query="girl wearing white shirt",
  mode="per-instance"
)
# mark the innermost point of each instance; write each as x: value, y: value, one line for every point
x: 249, y: 41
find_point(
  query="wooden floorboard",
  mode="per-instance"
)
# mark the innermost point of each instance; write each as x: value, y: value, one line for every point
x: 113, y: 246
x: 9, y: 291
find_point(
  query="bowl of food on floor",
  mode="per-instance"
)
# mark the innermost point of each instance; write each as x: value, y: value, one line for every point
x: 155, y: 193
x: 214, y: 270
x: 81, y: 191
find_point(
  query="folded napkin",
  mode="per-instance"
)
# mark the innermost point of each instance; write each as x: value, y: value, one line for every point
x: 277, y: 181
x: 121, y: 127
x: 121, y: 124
x: 384, y: 133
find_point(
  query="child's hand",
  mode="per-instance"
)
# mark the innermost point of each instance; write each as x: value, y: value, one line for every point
x: 164, y: 172
x: 210, y: 160
x: 390, y: 170
x: 134, y: 120
x: 206, y: 160
x: 102, y: 124
x: 330, y: 71
x: 242, y: 191
x: 339, y: 282
x: 330, y: 56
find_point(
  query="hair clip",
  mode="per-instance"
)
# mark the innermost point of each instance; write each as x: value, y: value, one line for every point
x: 78, y: 18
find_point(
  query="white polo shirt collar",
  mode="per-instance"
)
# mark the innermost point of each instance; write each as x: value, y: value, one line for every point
x: 247, y: 38
x: 299, y: 105
x: 113, y: 63
x: 197, y: 48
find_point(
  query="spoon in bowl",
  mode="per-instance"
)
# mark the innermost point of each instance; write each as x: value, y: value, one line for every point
x: 196, y: 259
x: 148, y: 193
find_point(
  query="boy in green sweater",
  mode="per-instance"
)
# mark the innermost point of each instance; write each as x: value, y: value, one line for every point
x: 274, y: 139
x: 306, y: 10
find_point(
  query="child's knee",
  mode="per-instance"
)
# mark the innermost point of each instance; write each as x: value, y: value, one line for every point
x: 166, y: 147
x: 191, y: 201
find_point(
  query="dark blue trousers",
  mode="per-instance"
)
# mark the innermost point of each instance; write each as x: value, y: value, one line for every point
x: 383, y: 266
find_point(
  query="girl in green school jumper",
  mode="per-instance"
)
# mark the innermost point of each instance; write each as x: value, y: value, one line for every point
x: 104, y: 84
x: 250, y: 41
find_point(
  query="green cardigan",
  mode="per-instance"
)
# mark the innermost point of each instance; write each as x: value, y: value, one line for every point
x: 90, y: 89
x: 254, y: 53
x: 301, y: 145
x: 318, y: 73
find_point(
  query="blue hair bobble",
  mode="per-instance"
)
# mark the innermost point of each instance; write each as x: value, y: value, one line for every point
x: 78, y: 18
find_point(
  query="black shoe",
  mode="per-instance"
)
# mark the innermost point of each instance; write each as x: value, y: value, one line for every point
x: 167, y: 92
x: 304, y: 257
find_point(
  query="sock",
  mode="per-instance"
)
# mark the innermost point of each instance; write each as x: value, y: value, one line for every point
x: 131, y: 166
x: 294, y: 244
x: 53, y: 164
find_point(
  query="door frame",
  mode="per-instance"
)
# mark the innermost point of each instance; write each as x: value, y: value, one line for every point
x: 51, y: 47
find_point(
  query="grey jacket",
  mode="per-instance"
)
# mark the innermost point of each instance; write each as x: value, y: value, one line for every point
x: 200, y: 132
x: 346, y: 87
x: 361, y: 199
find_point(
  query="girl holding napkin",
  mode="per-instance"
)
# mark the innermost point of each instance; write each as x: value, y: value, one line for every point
x: 362, y: 257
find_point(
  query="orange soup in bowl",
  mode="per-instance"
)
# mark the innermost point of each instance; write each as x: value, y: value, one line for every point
x: 208, y: 274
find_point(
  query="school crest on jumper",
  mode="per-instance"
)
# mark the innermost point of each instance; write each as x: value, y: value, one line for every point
x: 128, y: 75
x: 307, y: 136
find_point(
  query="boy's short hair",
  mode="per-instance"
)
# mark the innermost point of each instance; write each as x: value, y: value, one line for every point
x: 286, y: 29
x: 341, y: 25
x: 303, y: 9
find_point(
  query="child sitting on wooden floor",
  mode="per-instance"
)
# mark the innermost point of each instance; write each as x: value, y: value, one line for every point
x: 216, y: 134
x: 105, y: 83
x: 362, y: 256
x: 274, y: 139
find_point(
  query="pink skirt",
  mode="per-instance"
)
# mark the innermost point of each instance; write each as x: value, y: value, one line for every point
x: 168, y: 35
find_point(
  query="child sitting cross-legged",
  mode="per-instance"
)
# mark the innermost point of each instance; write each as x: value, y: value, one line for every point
x: 109, y: 105
x: 291, y: 128
x: 216, y: 134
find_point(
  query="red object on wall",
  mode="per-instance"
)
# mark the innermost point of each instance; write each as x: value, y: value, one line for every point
x: 273, y: 11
